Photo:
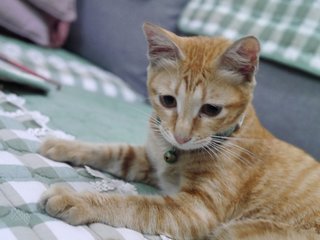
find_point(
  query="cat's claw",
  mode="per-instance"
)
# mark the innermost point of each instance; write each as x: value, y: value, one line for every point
x: 63, y: 203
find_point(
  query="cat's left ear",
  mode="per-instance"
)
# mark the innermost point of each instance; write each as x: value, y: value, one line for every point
x: 242, y: 58
x: 162, y: 48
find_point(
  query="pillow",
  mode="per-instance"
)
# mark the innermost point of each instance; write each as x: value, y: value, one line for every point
x: 34, y: 66
x: 109, y: 33
x: 46, y: 23
x: 61, y: 9
x: 20, y: 18
x: 288, y: 30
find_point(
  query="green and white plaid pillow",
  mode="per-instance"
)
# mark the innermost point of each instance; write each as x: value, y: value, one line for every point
x: 60, y: 66
x: 289, y: 30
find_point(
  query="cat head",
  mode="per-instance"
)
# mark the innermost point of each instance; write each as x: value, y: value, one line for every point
x: 199, y: 87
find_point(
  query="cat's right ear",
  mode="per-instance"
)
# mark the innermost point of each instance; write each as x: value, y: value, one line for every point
x: 242, y: 58
x: 161, y: 47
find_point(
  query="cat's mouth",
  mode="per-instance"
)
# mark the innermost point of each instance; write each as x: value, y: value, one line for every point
x: 210, y: 142
x: 192, y: 144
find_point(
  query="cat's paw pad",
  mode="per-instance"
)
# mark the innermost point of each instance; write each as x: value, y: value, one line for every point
x: 54, y: 149
x: 65, y: 204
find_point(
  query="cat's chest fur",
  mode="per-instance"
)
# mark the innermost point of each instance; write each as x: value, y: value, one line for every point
x: 168, y: 175
x: 169, y: 180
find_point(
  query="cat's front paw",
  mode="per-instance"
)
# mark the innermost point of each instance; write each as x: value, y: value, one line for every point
x: 65, y: 204
x: 55, y: 149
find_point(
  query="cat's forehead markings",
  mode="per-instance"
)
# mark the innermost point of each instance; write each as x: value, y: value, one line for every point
x: 172, y: 84
x: 197, y: 94
x: 181, y: 95
x: 197, y: 99
x: 189, y: 99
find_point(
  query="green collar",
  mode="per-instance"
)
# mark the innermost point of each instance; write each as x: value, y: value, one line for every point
x: 228, y: 132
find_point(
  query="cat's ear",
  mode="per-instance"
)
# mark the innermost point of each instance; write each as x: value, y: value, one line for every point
x: 161, y: 46
x: 242, y: 58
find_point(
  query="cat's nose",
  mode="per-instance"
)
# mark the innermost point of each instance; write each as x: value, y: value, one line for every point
x: 182, y: 140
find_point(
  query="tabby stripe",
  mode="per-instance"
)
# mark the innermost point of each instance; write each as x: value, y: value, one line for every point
x: 308, y: 202
x: 185, y: 216
x: 205, y: 199
x: 255, y: 228
x: 148, y: 174
x: 190, y: 219
x: 196, y: 84
x: 195, y: 175
x: 186, y: 80
x: 127, y: 161
x: 311, y: 177
x: 294, y: 186
x: 248, y: 186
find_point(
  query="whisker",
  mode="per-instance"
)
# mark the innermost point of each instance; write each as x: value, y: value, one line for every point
x: 223, y: 154
x: 242, y: 149
x: 229, y: 152
x: 212, y: 154
x: 238, y: 138
x: 226, y: 156
x: 231, y: 144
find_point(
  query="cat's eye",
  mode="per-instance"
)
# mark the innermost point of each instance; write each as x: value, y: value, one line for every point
x: 210, y: 110
x: 168, y: 101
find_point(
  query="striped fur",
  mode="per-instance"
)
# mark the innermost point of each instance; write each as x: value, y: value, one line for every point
x: 250, y: 185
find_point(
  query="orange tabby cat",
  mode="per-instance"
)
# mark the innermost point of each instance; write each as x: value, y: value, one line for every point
x: 223, y: 176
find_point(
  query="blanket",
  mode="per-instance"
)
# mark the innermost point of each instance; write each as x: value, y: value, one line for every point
x: 25, y: 175
x: 289, y: 30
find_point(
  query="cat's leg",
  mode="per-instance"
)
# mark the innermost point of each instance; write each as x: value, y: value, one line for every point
x: 260, y: 229
x: 180, y: 216
x: 122, y: 160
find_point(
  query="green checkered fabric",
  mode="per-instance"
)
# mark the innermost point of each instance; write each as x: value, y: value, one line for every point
x: 25, y: 175
x: 289, y: 30
x: 61, y: 66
